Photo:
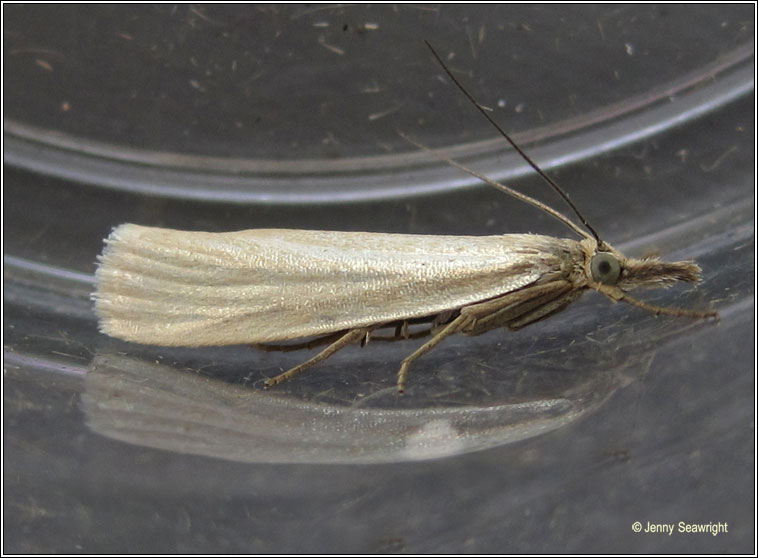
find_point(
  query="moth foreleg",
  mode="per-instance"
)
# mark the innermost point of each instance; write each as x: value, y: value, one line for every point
x: 456, y: 325
x: 345, y: 339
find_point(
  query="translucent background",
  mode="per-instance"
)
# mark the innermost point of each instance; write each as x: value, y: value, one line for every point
x: 223, y: 118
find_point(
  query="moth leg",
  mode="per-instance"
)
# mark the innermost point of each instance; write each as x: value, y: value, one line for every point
x: 323, y: 340
x: 413, y: 335
x: 345, y: 339
x: 456, y: 325
x: 528, y: 300
x: 491, y: 307
x: 366, y: 338
x: 544, y: 311
x: 402, y: 332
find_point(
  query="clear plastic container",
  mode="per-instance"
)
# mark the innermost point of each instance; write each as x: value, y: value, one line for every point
x: 232, y: 117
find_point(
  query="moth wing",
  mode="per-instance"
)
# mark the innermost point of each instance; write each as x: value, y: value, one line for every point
x: 179, y: 288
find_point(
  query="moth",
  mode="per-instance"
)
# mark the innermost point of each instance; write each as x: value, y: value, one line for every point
x: 179, y: 288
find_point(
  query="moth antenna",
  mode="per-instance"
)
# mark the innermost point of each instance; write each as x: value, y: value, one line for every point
x: 520, y: 151
x: 510, y: 191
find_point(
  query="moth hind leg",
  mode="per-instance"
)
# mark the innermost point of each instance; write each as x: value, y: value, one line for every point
x: 345, y: 339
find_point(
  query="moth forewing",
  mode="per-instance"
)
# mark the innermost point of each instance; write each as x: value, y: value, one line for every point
x: 182, y: 288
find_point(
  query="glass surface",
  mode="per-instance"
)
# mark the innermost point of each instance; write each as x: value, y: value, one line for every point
x: 232, y: 117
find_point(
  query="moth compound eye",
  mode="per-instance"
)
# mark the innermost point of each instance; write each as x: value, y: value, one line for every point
x: 605, y: 268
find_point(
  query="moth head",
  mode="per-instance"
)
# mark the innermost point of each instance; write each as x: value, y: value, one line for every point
x: 613, y: 274
x: 612, y: 268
